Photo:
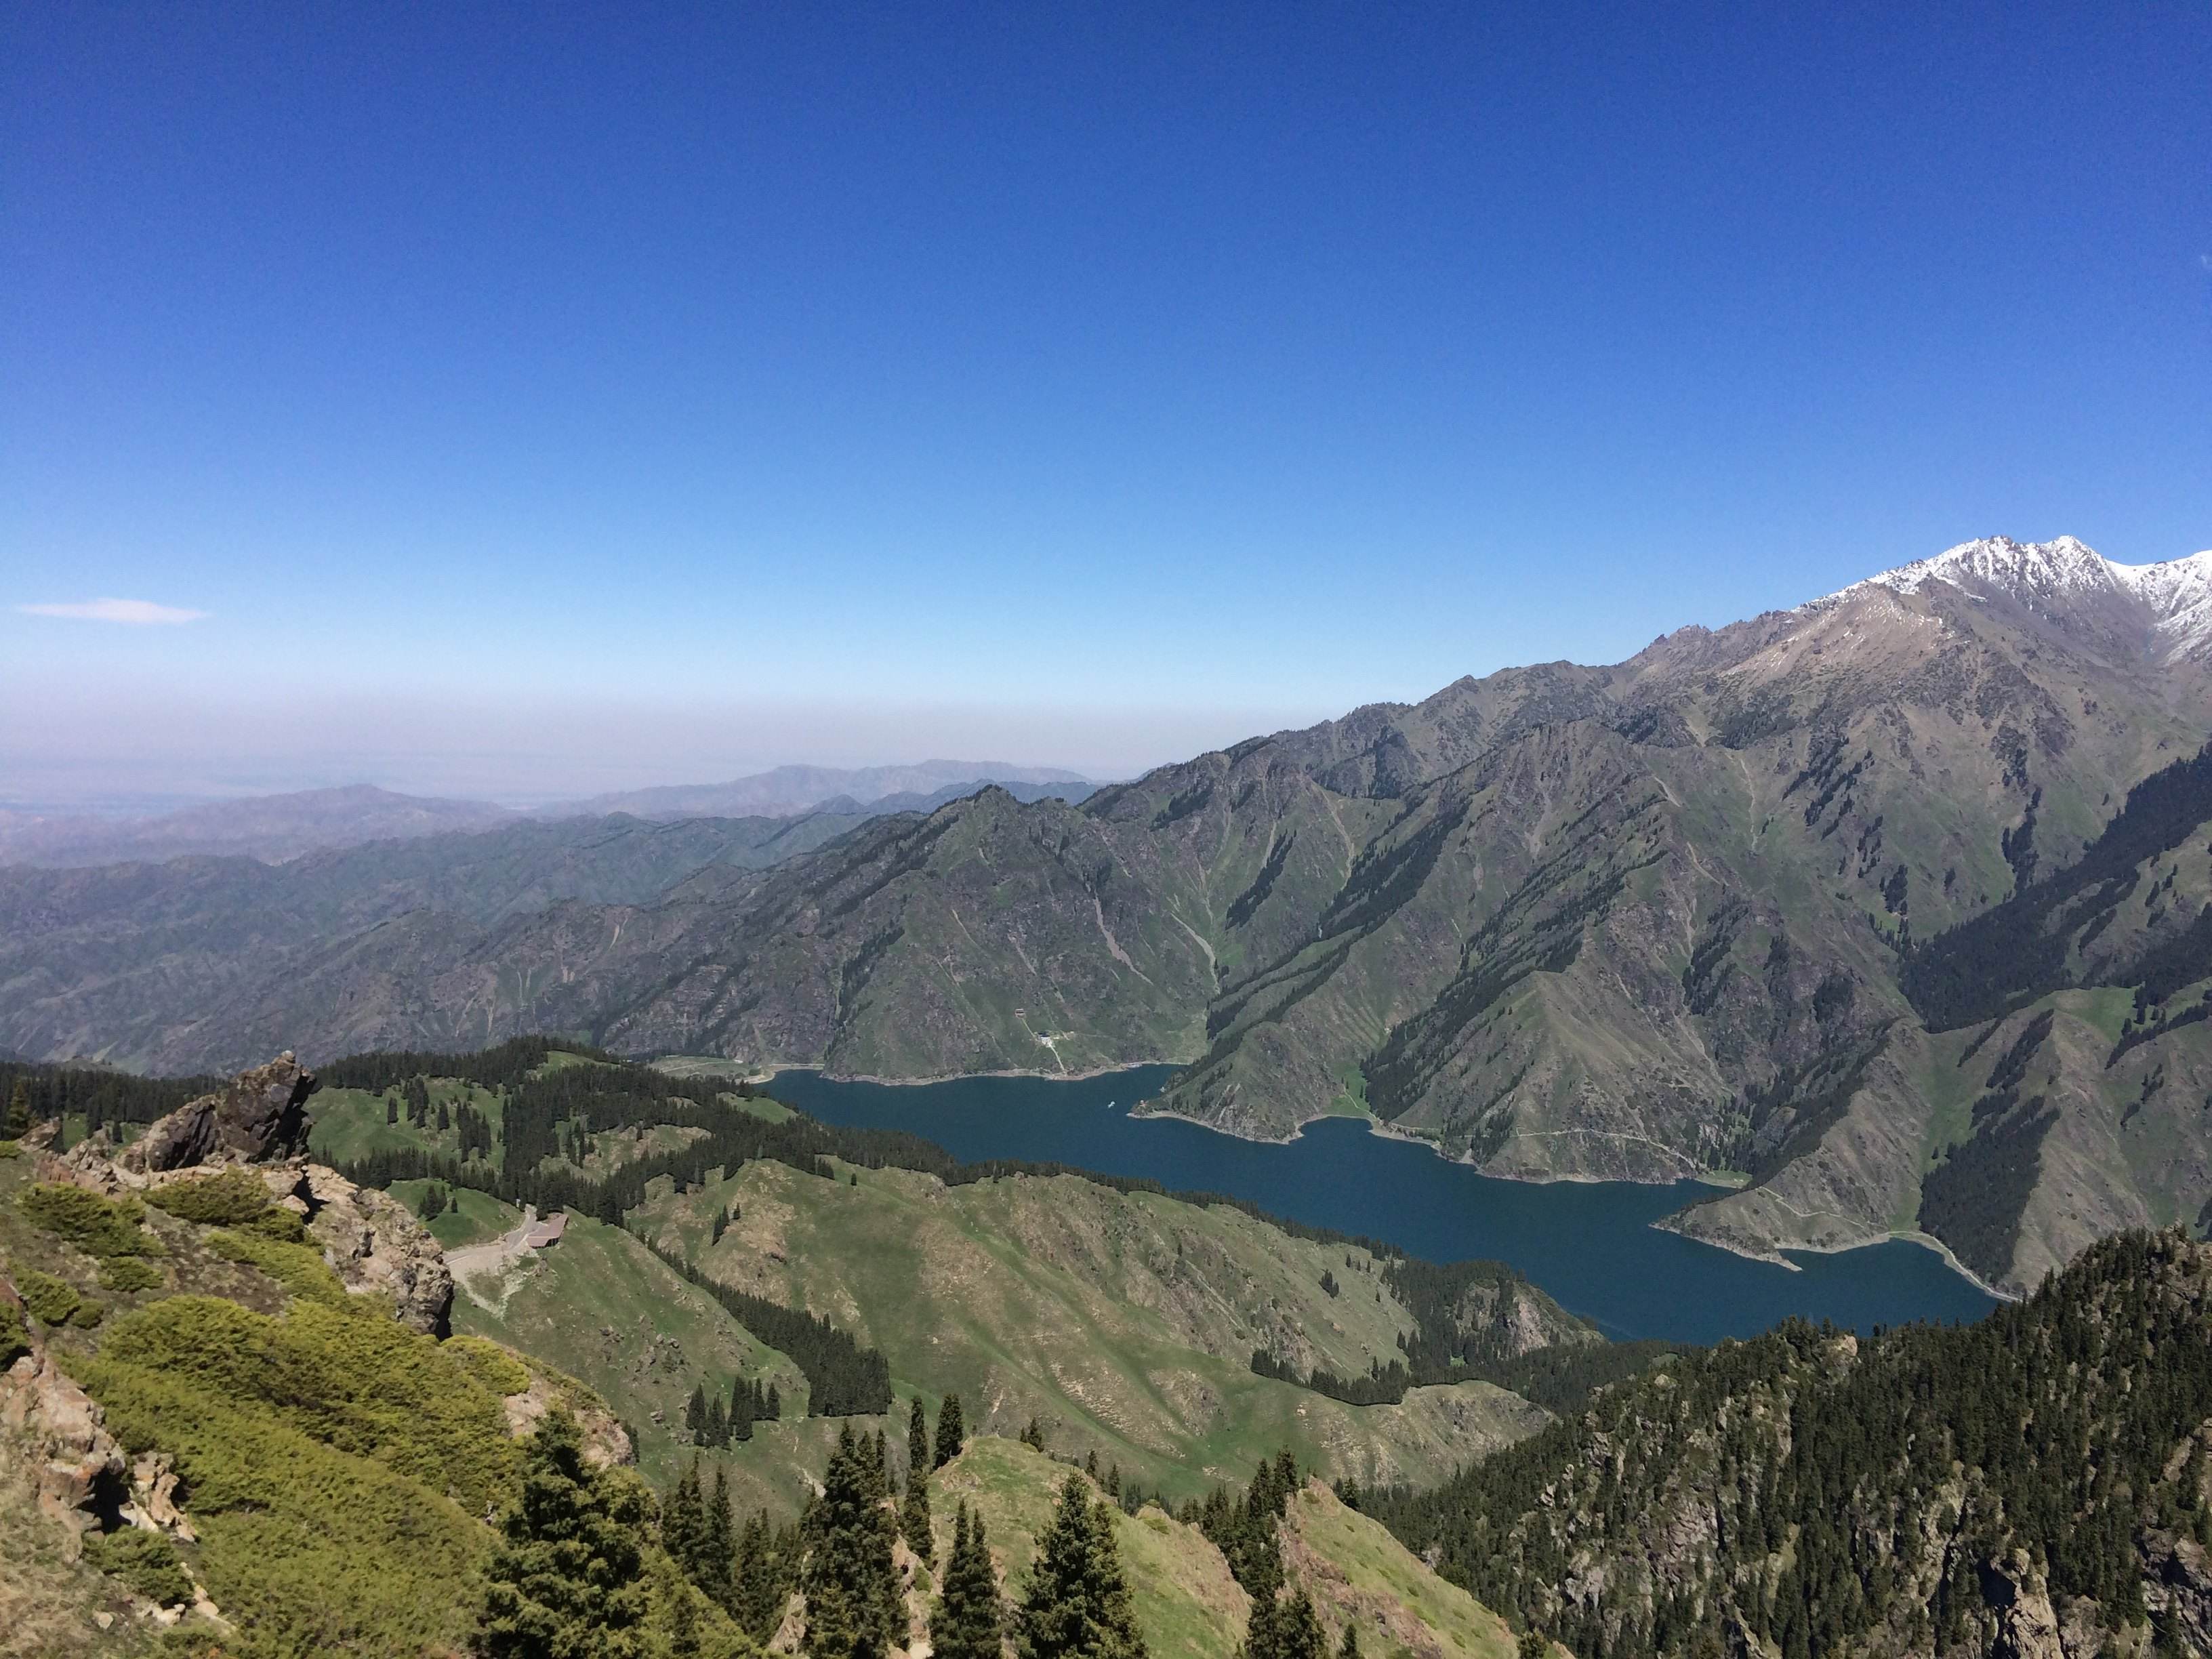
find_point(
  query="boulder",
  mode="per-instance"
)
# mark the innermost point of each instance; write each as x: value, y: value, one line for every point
x: 81, y: 1473
x: 258, y: 1116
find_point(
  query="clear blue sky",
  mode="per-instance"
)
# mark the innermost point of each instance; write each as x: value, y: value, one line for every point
x: 643, y: 392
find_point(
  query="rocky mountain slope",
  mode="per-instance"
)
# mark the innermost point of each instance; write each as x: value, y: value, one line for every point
x: 2033, y: 1485
x: 1636, y: 921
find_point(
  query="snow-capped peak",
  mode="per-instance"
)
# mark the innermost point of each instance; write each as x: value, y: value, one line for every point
x: 2027, y: 570
x: 2066, y: 582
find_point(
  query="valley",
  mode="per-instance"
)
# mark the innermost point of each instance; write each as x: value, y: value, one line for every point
x: 1710, y: 911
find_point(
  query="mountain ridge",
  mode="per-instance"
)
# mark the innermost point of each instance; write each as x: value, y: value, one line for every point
x: 1624, y: 921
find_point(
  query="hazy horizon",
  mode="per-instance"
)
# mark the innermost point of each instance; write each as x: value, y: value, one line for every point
x: 524, y: 404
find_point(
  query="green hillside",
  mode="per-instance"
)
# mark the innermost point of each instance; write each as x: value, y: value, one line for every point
x: 1124, y: 1323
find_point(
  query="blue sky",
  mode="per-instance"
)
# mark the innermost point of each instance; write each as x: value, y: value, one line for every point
x: 557, y: 396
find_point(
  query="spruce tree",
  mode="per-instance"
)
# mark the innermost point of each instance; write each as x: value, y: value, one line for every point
x: 18, y: 1123
x: 1286, y: 1627
x: 1351, y: 1647
x: 969, y: 1618
x: 757, y: 1592
x: 917, y: 1439
x: 951, y: 1436
x: 1078, y: 1605
x: 565, y: 1579
x: 718, y: 1547
x: 853, y: 1609
x: 914, y: 1514
x: 683, y: 1522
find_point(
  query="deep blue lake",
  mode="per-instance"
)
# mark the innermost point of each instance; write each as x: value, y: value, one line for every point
x: 1589, y: 1244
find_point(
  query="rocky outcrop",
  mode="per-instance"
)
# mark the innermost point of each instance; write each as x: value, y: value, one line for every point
x: 607, y: 1443
x: 259, y: 1116
x: 376, y: 1246
x: 373, y: 1243
x: 81, y: 1475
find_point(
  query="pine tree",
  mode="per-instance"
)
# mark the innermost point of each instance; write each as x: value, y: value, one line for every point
x: 774, y: 1412
x: 1286, y: 1627
x: 718, y: 1548
x: 695, y: 1412
x: 1351, y: 1647
x: 1078, y: 1605
x: 565, y: 1579
x: 914, y: 1514
x: 951, y: 1436
x: 757, y: 1592
x: 851, y: 1592
x: 917, y: 1438
x: 392, y: 1108
x: 18, y: 1123
x: 683, y: 1522
x: 969, y: 1618
x: 741, y: 1409
x: 1033, y: 1436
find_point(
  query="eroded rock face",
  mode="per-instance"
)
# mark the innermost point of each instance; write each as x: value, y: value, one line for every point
x: 79, y: 1466
x: 258, y: 1116
x: 375, y: 1244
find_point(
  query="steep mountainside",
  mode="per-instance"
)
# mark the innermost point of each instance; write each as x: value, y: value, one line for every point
x: 2036, y: 1484
x: 1669, y: 915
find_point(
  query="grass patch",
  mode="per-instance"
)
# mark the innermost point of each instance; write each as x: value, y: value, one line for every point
x: 300, y: 1268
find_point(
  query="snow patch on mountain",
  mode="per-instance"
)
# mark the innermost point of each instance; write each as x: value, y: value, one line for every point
x: 2063, y: 581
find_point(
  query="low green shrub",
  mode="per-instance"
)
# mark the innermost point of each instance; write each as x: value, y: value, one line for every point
x: 10, y: 1149
x: 14, y: 1334
x: 100, y: 1227
x: 300, y: 1268
x: 146, y: 1561
x: 88, y: 1313
x: 51, y: 1300
x: 336, y: 1460
x: 230, y: 1198
x: 129, y: 1274
x: 491, y: 1364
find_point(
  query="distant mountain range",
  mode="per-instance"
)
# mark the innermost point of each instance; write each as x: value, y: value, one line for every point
x: 1889, y: 910
x: 278, y: 827
x: 789, y: 789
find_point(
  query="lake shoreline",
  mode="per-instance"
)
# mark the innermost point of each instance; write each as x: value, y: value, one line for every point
x: 1601, y: 1247
x: 1773, y: 1256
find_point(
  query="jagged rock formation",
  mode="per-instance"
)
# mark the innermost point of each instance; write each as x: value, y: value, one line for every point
x: 259, y: 1119
x: 376, y: 1245
x: 260, y: 1114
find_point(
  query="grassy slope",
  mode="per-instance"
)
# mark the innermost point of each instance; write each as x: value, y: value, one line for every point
x: 1360, y: 1574
x: 349, y: 1123
x: 1124, y: 1323
x: 598, y: 1306
x: 1187, y: 1604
